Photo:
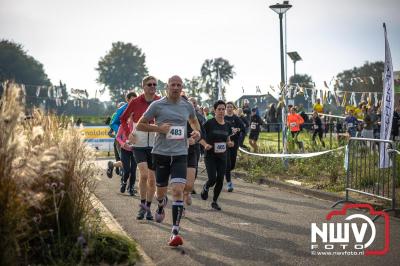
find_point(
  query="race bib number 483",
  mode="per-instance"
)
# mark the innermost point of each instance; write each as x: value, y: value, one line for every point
x: 176, y: 132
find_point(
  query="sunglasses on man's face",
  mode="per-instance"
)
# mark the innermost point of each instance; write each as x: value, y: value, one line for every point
x: 151, y: 84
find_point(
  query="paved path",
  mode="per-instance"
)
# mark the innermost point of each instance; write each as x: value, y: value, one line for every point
x: 258, y: 225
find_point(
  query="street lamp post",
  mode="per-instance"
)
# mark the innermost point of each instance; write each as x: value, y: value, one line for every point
x: 281, y: 9
x: 295, y: 57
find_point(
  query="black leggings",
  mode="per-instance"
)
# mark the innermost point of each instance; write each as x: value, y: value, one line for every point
x: 116, y: 151
x: 129, y: 165
x: 216, y: 166
x: 320, y: 133
x: 231, y: 162
x: 242, y: 136
x: 198, y: 152
x: 295, y: 135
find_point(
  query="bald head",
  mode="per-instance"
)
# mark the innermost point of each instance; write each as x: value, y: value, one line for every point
x: 175, y: 86
x: 175, y: 78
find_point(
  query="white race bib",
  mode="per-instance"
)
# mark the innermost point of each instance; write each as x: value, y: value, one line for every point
x: 219, y: 147
x: 293, y: 124
x: 350, y: 125
x: 253, y: 125
x: 316, y: 126
x: 176, y: 132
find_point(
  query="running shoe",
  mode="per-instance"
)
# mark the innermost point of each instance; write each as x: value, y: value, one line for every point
x: 123, y: 187
x: 230, y: 187
x: 204, y: 193
x: 175, y: 240
x: 160, y: 216
x: 110, y: 168
x: 132, y: 192
x: 215, y: 206
x: 149, y: 216
x: 141, y: 214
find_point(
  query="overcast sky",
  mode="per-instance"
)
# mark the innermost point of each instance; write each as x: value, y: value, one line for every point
x: 69, y: 37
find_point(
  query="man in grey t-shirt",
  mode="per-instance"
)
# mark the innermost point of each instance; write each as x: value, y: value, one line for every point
x: 171, y: 114
x: 176, y: 114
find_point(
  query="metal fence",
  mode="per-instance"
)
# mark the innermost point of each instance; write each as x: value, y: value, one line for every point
x: 330, y: 133
x: 364, y: 172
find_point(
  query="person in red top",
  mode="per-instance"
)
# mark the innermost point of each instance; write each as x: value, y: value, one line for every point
x: 294, y: 120
x: 142, y: 144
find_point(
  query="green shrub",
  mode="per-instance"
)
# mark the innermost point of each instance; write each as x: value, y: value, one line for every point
x: 315, y: 169
x: 112, y: 249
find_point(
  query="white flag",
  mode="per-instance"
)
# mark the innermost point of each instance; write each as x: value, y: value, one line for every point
x: 388, y: 104
x: 220, y: 96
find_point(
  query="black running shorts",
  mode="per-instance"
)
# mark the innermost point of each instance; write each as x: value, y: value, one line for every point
x: 254, y: 135
x: 144, y: 155
x: 192, y: 158
x: 176, y: 166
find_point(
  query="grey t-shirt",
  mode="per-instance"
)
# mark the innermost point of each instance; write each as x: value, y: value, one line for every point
x: 177, y: 114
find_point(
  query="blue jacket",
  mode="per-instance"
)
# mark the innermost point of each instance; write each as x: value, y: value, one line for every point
x: 115, y: 122
x: 351, y: 122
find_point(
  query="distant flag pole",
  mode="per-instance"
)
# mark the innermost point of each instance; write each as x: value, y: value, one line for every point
x: 220, y: 96
x: 388, y: 104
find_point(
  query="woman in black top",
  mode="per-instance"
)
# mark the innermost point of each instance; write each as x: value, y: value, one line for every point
x: 216, y: 142
x: 255, y: 128
x: 271, y: 117
x: 317, y: 126
x: 242, y: 134
x: 237, y: 127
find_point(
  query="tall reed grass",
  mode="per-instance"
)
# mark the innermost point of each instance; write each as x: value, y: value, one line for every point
x: 46, y: 179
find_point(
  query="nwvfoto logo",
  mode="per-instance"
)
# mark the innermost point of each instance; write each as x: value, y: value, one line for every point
x: 336, y: 235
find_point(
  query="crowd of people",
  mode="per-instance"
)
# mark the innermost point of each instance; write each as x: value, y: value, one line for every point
x: 354, y: 121
x: 165, y: 137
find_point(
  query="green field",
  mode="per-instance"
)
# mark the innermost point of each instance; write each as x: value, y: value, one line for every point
x: 268, y: 142
x: 90, y: 120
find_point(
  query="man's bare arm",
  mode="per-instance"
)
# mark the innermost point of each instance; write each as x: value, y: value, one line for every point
x: 194, y: 124
x: 143, y: 125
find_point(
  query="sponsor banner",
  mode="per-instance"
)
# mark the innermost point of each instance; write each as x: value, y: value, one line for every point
x: 96, y: 132
x: 97, y: 137
x: 388, y: 105
x: 101, y: 144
